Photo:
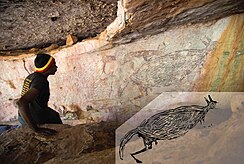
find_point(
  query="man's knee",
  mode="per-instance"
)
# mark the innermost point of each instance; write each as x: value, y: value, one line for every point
x: 53, y: 111
x: 54, y: 117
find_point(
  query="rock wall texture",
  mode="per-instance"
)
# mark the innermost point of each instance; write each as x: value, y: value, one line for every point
x: 28, y: 23
x: 226, y: 62
x: 82, y: 141
x: 143, y: 17
x: 104, y: 83
x: 109, y: 77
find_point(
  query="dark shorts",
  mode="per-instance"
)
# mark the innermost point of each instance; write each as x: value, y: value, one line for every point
x: 48, y: 116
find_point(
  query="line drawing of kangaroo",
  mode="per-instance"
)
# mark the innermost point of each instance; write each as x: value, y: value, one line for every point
x: 167, y: 125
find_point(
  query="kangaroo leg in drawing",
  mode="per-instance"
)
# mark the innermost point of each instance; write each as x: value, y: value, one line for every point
x: 148, y: 145
x: 138, y: 152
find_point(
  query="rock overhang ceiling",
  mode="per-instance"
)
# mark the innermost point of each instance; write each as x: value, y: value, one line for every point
x: 27, y: 24
x: 144, y: 17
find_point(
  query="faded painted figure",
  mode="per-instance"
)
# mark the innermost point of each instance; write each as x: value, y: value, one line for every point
x: 167, y: 125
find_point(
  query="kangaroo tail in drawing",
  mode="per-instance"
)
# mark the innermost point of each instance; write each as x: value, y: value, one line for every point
x: 124, y: 140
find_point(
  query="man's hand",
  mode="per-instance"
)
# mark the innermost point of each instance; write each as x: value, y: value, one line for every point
x: 46, y: 131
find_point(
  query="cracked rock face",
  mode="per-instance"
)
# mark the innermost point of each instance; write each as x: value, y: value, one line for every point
x: 28, y: 23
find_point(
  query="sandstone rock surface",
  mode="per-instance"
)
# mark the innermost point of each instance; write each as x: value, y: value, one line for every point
x: 143, y: 17
x: 82, y: 141
x: 28, y: 23
x: 71, y: 39
x: 117, y: 82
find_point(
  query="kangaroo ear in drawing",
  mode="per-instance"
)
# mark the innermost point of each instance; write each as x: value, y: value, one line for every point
x: 211, y: 102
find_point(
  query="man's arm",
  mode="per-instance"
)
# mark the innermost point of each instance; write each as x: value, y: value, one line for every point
x: 24, y: 110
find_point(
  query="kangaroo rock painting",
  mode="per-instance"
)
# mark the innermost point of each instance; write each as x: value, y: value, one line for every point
x: 167, y: 125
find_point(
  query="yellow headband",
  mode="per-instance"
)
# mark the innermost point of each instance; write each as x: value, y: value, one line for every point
x: 47, y: 66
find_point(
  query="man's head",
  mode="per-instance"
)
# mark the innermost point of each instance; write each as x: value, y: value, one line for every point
x: 45, y: 64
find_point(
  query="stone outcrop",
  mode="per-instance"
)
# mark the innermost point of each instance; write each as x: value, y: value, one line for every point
x: 82, y: 141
